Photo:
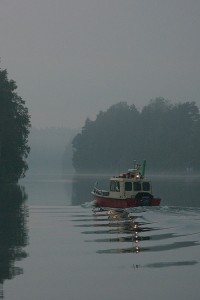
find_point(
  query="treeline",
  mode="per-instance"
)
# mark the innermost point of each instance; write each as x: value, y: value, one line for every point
x: 166, y: 134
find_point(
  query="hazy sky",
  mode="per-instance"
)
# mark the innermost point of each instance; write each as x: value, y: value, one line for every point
x: 73, y: 58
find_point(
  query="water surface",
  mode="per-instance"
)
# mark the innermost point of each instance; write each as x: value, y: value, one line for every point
x: 54, y: 245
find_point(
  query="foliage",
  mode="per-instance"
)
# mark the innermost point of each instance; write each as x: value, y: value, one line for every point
x: 14, y: 130
x: 166, y: 134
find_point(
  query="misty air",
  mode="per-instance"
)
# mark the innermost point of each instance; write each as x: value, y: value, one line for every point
x: 99, y: 149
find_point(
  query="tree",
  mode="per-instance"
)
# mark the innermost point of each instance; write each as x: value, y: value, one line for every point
x: 101, y: 144
x: 14, y: 130
x: 166, y: 134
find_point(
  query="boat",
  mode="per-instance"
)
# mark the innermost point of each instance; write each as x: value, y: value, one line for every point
x: 130, y: 189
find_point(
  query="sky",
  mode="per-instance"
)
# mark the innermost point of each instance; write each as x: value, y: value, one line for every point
x: 74, y: 58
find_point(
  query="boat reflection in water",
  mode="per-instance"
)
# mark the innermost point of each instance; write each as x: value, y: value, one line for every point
x: 138, y: 234
x: 127, y: 224
x: 13, y: 231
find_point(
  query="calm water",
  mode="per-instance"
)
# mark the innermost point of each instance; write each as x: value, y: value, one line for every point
x: 53, y: 245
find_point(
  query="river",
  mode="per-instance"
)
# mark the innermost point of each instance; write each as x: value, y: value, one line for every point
x: 54, y: 245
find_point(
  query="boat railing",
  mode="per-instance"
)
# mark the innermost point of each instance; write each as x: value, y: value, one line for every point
x: 100, y: 192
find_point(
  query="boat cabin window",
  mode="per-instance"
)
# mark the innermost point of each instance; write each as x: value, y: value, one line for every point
x: 114, y: 186
x: 146, y: 186
x: 128, y: 186
x: 137, y: 186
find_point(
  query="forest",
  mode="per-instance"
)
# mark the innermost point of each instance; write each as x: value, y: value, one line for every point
x: 167, y: 135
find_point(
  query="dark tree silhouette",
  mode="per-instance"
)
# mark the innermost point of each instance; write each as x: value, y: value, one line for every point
x: 14, y: 130
x: 167, y: 135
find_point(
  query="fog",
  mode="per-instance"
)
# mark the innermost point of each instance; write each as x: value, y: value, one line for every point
x: 73, y: 58
x: 51, y: 151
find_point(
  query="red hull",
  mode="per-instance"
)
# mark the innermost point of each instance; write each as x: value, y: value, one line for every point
x: 102, y: 201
